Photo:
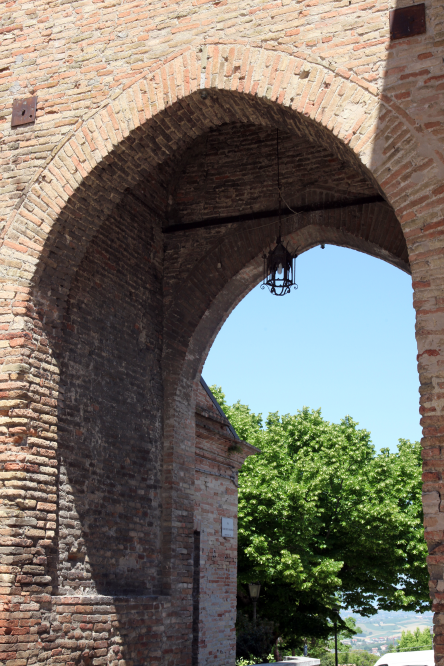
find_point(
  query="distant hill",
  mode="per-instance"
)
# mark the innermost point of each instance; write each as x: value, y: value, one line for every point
x: 386, y: 627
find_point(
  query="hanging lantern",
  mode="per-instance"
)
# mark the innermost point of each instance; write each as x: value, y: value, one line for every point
x: 279, y: 264
x: 279, y: 270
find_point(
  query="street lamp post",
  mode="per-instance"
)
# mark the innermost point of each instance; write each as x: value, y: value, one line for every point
x: 254, y: 589
x: 335, y: 624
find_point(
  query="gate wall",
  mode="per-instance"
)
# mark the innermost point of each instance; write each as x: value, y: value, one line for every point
x: 119, y: 89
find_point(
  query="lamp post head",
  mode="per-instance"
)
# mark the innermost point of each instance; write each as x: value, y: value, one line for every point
x: 254, y: 590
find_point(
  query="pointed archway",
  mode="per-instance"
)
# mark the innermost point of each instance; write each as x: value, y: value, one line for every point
x: 117, y: 315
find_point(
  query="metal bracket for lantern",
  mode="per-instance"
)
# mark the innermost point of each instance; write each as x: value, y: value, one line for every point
x: 23, y: 111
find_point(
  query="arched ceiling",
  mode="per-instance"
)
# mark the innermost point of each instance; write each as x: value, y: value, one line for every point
x: 231, y: 171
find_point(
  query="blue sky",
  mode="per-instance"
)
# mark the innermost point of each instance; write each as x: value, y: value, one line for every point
x: 344, y: 341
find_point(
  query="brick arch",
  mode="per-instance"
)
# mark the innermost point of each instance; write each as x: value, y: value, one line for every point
x: 215, y: 292
x: 116, y: 147
x: 159, y: 115
x: 104, y: 153
x: 154, y: 120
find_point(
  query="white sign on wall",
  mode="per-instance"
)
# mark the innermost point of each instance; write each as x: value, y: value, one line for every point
x: 227, y: 527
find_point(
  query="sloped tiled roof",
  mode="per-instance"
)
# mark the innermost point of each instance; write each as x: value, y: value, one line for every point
x: 218, y: 407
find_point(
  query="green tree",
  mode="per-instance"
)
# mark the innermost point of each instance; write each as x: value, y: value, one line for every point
x: 324, y: 648
x: 325, y: 519
x: 416, y: 640
x: 357, y: 657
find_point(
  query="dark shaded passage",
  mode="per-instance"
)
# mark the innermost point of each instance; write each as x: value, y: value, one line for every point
x: 110, y: 420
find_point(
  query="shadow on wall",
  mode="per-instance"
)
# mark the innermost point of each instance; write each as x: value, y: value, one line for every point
x: 403, y: 154
x: 110, y: 419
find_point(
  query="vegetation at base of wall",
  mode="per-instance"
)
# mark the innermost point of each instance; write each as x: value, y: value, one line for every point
x: 254, y: 641
x: 325, y: 520
x: 323, y: 649
x: 356, y: 657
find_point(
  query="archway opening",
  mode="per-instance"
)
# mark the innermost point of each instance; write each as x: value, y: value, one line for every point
x: 344, y: 362
x: 127, y: 305
x: 346, y: 339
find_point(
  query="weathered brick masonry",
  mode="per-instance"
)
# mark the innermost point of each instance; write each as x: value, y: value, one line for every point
x: 219, y: 455
x: 153, y: 113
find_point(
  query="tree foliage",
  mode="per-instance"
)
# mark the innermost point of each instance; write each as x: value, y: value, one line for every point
x: 416, y: 640
x: 356, y: 657
x: 324, y: 518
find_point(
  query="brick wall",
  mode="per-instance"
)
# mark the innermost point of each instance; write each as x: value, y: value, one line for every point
x: 219, y: 455
x: 110, y: 418
x: 151, y: 113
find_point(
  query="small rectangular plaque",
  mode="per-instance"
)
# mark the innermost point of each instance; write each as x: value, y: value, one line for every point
x: 407, y: 21
x: 227, y: 527
x: 23, y: 111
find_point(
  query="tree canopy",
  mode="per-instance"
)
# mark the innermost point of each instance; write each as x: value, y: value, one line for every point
x: 415, y: 640
x: 324, y: 519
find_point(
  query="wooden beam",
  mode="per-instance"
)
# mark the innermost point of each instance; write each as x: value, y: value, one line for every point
x: 264, y: 214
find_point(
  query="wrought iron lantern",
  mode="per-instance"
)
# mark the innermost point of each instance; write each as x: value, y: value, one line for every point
x: 280, y: 263
x: 279, y: 270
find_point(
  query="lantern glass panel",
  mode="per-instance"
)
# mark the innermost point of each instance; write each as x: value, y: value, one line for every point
x: 254, y: 590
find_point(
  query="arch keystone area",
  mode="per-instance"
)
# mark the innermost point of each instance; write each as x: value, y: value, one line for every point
x: 334, y: 101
